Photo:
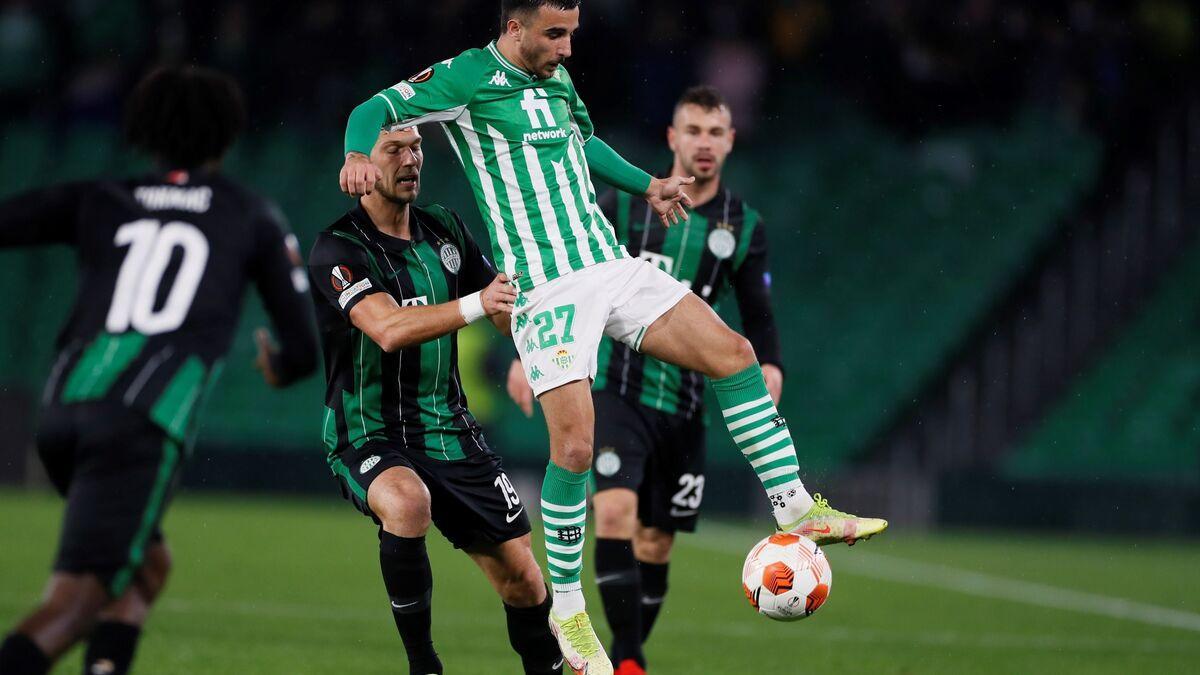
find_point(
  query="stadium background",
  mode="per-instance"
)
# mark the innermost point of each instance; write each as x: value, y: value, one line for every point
x: 981, y: 215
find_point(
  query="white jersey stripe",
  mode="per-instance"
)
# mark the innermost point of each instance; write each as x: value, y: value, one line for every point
x: 581, y: 236
x: 546, y: 208
x: 608, y: 235
x: 440, y: 116
x: 594, y: 222
x: 489, y: 193
x: 516, y: 202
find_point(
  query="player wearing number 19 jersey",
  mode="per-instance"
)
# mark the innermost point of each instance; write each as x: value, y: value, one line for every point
x: 528, y: 147
x: 164, y: 262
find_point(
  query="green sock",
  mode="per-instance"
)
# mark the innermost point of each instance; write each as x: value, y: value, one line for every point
x: 564, y: 510
x: 762, y: 435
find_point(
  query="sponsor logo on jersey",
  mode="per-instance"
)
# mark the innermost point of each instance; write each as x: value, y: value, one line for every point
x: 419, y: 301
x: 721, y: 242
x: 663, y: 262
x: 546, y: 135
x: 500, y: 79
x: 350, y: 293
x: 423, y: 76
x: 608, y: 462
x: 451, y: 259
x: 563, y: 359
x: 340, y: 278
x: 368, y: 464
x: 405, y: 90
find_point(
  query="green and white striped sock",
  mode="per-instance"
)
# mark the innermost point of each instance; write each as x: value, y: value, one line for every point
x: 761, y: 433
x: 564, y: 510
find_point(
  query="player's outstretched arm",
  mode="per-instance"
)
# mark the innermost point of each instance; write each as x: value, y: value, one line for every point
x: 393, y: 327
x: 359, y: 175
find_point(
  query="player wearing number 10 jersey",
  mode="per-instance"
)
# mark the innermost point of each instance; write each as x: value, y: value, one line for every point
x: 164, y: 263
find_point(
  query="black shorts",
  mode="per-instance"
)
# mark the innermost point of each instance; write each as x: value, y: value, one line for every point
x: 472, y: 501
x: 118, y: 471
x: 657, y: 455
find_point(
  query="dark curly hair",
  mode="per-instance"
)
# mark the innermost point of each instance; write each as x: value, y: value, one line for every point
x: 510, y: 7
x: 184, y: 116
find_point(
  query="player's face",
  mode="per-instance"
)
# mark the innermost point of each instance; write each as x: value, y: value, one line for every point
x: 545, y: 40
x: 399, y: 156
x: 701, y: 140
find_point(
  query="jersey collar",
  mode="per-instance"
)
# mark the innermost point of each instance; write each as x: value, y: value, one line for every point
x: 491, y: 47
x: 395, y: 244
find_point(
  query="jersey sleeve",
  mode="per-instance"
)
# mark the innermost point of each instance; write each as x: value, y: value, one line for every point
x: 341, y: 273
x: 278, y: 273
x: 39, y: 217
x: 752, y: 286
x: 439, y: 93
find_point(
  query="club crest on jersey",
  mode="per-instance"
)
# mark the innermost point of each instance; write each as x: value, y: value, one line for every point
x: 721, y: 241
x: 563, y: 359
x: 340, y: 278
x: 423, y: 76
x: 368, y: 464
x: 451, y: 259
x: 608, y: 463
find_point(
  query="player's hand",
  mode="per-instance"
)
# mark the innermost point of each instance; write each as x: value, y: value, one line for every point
x: 774, y: 378
x: 667, y: 198
x: 519, y: 389
x: 359, y: 175
x: 266, y: 349
x: 498, y: 297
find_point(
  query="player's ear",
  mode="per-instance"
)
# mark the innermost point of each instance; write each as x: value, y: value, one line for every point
x: 671, y: 137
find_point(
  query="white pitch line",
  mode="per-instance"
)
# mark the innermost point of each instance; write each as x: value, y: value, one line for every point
x: 944, y: 577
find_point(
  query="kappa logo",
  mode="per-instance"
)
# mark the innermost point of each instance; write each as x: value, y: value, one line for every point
x: 500, y: 79
x: 340, y: 278
x: 368, y: 464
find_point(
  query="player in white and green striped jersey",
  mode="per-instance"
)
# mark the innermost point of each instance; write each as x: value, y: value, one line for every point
x: 528, y: 148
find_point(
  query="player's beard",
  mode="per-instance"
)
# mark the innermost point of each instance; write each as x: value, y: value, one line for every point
x: 394, y: 195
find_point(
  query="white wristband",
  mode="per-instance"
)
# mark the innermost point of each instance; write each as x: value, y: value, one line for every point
x: 471, y: 307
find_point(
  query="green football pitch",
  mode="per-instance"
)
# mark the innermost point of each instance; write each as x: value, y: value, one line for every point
x: 265, y: 585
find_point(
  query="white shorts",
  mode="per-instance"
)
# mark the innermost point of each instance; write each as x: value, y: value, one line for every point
x: 558, y: 325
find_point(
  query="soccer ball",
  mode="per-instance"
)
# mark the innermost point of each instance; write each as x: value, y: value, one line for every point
x: 786, y: 577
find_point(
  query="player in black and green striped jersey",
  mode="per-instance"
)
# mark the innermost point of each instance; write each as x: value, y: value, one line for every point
x: 164, y: 262
x: 392, y: 284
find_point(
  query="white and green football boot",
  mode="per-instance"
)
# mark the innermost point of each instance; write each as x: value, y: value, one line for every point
x: 580, y: 647
x: 824, y: 525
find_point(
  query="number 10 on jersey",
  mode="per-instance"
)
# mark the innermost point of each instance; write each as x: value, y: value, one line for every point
x: 151, y: 248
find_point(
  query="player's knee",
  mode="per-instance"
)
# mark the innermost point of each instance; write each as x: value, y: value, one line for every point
x: 575, y: 453
x: 736, y: 355
x: 523, y: 586
x: 404, y: 508
x: 152, y: 576
x: 653, y: 545
x: 616, y: 516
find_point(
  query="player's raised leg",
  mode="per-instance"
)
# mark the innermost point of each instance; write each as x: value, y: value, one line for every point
x: 691, y: 335
x: 517, y: 578
x: 401, y: 502
x: 570, y: 420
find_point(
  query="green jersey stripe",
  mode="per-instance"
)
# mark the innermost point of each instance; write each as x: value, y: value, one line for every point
x: 173, y: 409
x: 516, y: 203
x: 435, y: 356
x: 589, y: 249
x: 541, y: 192
x: 101, y: 364
x: 597, y: 223
x: 483, y: 180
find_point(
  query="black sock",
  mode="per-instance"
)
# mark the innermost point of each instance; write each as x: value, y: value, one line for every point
x: 654, y: 591
x: 111, y: 646
x: 409, y: 582
x: 20, y: 656
x: 620, y: 590
x: 530, y: 636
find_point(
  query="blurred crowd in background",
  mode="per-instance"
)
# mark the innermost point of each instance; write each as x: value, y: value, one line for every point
x: 916, y: 63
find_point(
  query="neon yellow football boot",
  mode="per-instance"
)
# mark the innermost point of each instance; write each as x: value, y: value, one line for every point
x: 825, y: 525
x: 580, y: 647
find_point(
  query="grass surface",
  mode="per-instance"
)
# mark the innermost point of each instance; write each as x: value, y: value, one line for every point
x: 290, y: 586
